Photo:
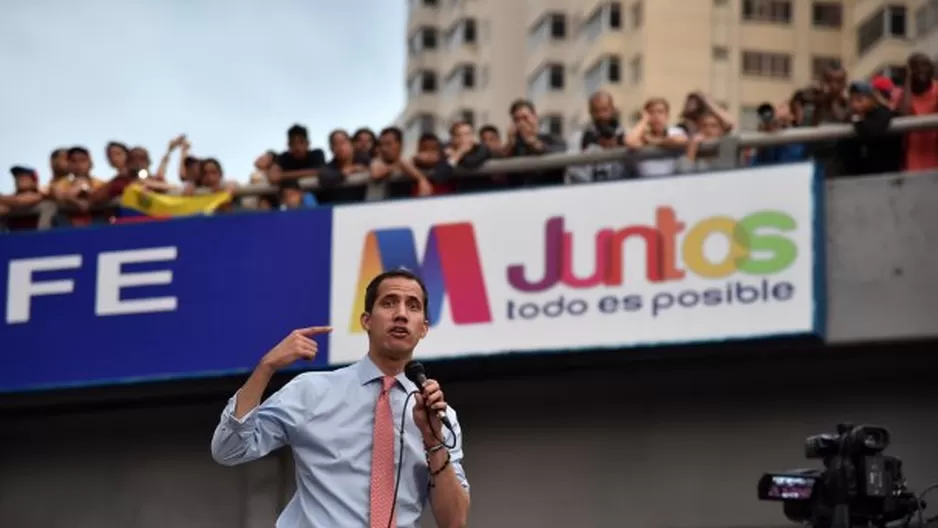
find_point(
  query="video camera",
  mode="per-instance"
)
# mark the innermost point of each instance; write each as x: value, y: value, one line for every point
x: 859, y: 485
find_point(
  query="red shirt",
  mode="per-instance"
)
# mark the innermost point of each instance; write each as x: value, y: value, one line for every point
x: 921, y: 147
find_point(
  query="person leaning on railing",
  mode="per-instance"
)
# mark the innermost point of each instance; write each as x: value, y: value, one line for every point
x: 25, y: 197
x: 708, y: 127
x: 430, y: 160
x: 785, y: 115
x: 463, y: 152
x: 525, y: 139
x: 873, y: 150
x: 604, y: 131
x: 652, y: 130
x: 391, y: 162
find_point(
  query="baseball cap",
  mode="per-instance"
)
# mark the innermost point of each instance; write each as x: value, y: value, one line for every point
x: 22, y: 170
x: 862, y: 87
x: 883, y: 84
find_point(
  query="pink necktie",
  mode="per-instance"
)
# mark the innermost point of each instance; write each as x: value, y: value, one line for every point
x: 382, y: 459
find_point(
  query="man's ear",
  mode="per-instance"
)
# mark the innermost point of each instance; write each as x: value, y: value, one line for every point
x: 424, y: 328
x: 365, y: 321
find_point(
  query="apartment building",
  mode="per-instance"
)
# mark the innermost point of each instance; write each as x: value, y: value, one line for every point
x: 468, y: 59
x: 926, y: 26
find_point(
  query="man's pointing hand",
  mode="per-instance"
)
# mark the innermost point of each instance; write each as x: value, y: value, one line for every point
x: 299, y: 344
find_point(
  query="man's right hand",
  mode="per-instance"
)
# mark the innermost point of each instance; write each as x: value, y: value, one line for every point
x: 296, y: 346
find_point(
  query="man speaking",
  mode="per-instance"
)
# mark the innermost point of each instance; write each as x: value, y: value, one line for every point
x: 345, y: 426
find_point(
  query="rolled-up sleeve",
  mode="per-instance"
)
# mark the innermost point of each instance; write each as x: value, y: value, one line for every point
x: 456, y: 453
x: 263, y: 429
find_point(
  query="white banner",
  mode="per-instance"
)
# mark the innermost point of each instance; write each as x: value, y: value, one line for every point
x: 687, y: 259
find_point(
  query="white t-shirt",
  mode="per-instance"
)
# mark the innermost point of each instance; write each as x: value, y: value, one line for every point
x: 656, y: 168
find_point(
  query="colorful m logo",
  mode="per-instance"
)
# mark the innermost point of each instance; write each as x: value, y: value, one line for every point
x: 451, y: 267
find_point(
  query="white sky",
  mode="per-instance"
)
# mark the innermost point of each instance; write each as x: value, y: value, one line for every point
x: 232, y: 74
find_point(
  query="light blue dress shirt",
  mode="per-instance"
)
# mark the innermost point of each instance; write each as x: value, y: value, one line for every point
x: 327, y: 418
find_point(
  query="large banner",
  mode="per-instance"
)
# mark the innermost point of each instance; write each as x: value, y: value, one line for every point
x: 698, y: 258
x: 139, y: 302
x: 706, y: 257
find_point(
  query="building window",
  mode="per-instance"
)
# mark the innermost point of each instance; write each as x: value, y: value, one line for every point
x: 425, y: 38
x: 606, y: 16
x: 461, y: 78
x: 888, y: 22
x: 613, y: 70
x: 550, y: 27
x: 422, y: 82
x: 615, y: 15
x: 558, y: 26
x: 820, y: 64
x: 552, y: 124
x: 593, y: 27
x: 721, y: 53
x: 765, y: 64
x: 921, y: 21
x: 548, y: 78
x: 556, y: 77
x: 469, y: 34
x: 635, y: 69
x: 430, y: 3
x: 462, y: 32
x: 606, y: 70
x: 773, y: 11
x: 926, y: 19
x: 637, y: 14
x: 827, y: 14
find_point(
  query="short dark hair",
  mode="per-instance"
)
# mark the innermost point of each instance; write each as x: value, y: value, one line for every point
x: 289, y: 183
x: 337, y: 132
x: 394, y: 131
x: 55, y: 153
x: 78, y: 150
x: 428, y: 136
x: 371, y: 291
x: 657, y: 101
x: 117, y: 144
x: 367, y: 131
x: 518, y: 104
x: 489, y: 128
x: 454, y: 126
x: 297, y: 131
x: 211, y: 161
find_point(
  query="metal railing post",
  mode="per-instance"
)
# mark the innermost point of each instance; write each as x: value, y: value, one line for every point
x: 727, y: 153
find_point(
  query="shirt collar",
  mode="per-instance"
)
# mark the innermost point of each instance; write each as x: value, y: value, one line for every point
x: 368, y: 372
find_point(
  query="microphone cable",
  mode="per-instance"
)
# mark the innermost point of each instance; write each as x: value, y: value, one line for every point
x: 400, y: 455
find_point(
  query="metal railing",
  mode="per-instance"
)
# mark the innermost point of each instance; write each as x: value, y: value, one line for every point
x: 726, y: 150
x: 722, y: 153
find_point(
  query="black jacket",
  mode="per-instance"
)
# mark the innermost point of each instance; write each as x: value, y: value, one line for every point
x: 873, y: 150
x: 445, y: 173
x: 552, y: 145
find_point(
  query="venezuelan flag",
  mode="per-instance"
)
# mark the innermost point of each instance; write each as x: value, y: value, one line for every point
x: 136, y: 201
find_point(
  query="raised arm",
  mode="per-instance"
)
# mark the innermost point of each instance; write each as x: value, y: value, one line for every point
x: 248, y: 429
x: 164, y: 161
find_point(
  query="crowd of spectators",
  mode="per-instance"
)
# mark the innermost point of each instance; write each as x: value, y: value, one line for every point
x: 74, y: 196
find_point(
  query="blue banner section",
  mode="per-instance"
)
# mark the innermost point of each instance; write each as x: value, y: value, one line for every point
x: 189, y: 297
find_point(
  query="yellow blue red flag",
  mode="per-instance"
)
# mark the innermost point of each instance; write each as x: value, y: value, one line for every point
x: 138, y: 201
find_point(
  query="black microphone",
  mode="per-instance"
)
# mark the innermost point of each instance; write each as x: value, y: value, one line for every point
x: 415, y: 372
